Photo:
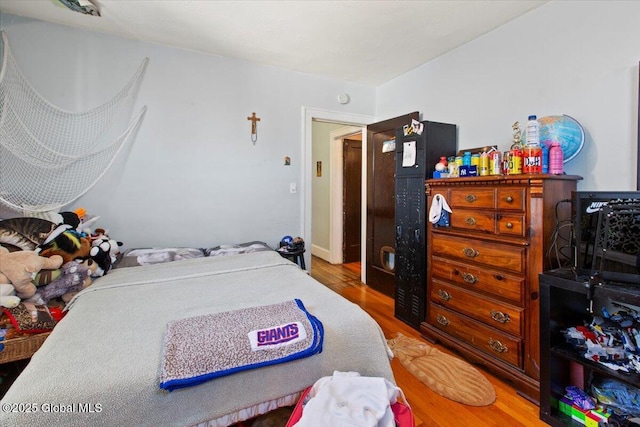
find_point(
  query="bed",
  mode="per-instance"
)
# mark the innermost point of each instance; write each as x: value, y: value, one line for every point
x: 101, y: 364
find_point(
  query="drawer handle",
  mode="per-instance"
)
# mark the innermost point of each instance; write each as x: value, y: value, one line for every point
x: 471, y: 221
x: 470, y: 252
x: 470, y: 198
x: 497, y: 346
x: 442, y: 320
x: 500, y: 317
x: 509, y: 225
x: 469, y: 278
x: 509, y: 199
x: 444, y: 295
x: 499, y: 277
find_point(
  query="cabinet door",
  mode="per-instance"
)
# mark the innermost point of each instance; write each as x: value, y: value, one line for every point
x: 410, y: 297
x: 381, y: 204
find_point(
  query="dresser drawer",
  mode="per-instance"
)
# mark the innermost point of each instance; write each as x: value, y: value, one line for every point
x: 499, y: 284
x: 513, y: 198
x: 500, y: 315
x: 472, y: 198
x: 496, y: 255
x: 488, y: 340
x: 474, y: 220
x: 510, y: 224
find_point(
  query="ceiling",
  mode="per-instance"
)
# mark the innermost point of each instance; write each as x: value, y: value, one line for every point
x: 367, y: 42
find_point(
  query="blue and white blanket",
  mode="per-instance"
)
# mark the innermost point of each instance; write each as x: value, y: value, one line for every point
x: 201, y: 348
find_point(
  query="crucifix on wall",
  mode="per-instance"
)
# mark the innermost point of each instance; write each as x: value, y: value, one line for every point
x: 254, y: 127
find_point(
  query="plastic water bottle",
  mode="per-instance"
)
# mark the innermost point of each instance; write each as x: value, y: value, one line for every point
x: 545, y: 158
x: 533, y: 131
x: 556, y: 159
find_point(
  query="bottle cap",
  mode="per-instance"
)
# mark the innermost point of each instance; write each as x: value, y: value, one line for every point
x: 533, y: 117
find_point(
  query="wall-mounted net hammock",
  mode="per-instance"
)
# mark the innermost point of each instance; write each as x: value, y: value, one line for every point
x: 48, y: 156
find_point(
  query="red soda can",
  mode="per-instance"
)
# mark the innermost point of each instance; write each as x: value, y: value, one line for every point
x: 532, y: 160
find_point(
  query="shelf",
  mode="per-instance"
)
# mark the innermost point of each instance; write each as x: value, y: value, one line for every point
x: 564, y: 304
x: 567, y: 352
x: 621, y: 292
x: 558, y: 419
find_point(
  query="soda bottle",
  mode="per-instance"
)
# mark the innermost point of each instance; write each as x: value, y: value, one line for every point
x: 532, y: 152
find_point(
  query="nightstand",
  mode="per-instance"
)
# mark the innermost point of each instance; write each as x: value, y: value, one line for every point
x: 294, y: 255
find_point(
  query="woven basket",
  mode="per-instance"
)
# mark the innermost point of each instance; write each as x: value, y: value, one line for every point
x: 22, y: 347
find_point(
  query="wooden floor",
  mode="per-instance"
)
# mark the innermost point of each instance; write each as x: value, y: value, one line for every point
x: 429, y: 408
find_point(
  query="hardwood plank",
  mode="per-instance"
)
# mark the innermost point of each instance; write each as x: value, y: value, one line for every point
x: 429, y: 408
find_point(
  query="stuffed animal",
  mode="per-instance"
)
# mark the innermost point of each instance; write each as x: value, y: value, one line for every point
x: 44, y: 277
x: 92, y: 266
x: 70, y: 218
x: 67, y: 243
x: 24, y: 233
x: 74, y: 277
x: 104, y: 251
x: 86, y: 222
x: 78, y: 219
x: 18, y: 268
x: 101, y: 254
x: 8, y: 298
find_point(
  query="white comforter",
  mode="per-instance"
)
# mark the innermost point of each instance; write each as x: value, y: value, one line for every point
x: 100, y: 366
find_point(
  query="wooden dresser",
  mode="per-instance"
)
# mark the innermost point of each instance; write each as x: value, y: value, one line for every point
x: 482, y: 271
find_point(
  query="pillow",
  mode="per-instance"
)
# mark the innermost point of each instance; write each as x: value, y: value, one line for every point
x: 242, y: 248
x: 30, y: 318
x: 147, y: 256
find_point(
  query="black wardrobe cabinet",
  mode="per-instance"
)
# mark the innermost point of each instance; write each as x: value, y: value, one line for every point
x: 416, y: 157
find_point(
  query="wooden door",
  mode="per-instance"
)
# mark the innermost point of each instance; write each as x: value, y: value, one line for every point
x: 381, y: 203
x: 352, y: 200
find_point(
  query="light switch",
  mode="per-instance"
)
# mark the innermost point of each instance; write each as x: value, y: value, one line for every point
x: 293, y: 188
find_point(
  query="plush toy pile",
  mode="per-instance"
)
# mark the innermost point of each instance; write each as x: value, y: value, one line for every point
x: 47, y: 263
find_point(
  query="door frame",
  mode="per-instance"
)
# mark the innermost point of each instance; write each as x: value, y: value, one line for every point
x: 336, y: 181
x: 308, y: 116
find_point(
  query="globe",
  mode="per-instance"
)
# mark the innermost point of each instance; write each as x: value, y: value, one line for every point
x: 563, y: 129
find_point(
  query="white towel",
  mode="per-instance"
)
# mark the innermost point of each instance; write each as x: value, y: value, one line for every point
x: 438, y: 203
x: 346, y: 399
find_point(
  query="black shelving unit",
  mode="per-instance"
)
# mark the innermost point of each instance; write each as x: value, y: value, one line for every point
x: 563, y: 304
x: 436, y: 140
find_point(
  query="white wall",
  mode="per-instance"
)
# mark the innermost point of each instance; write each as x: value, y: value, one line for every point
x: 193, y: 176
x: 578, y: 58
x: 321, y: 188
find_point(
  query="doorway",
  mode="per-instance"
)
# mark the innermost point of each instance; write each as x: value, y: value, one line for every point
x: 337, y: 192
x: 357, y: 123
